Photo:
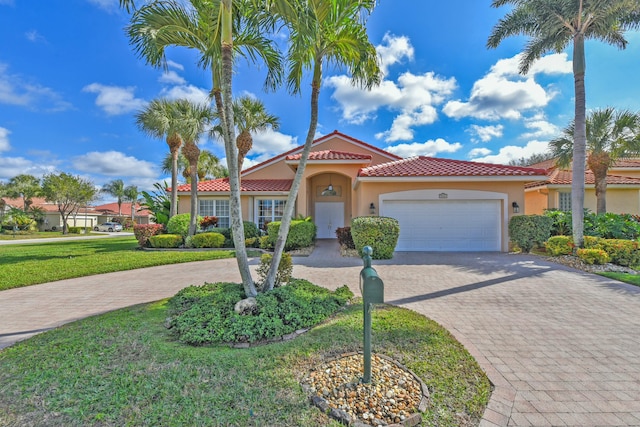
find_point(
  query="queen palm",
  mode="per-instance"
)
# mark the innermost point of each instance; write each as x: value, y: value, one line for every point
x: 552, y: 25
x: 209, y: 166
x: 131, y: 194
x: 321, y: 32
x: 193, y: 119
x: 116, y: 189
x: 611, y: 135
x: 159, y: 119
x: 25, y: 186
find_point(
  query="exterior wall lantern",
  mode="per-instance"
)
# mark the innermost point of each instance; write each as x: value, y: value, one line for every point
x: 372, y: 209
x: 515, y: 207
x: 329, y: 191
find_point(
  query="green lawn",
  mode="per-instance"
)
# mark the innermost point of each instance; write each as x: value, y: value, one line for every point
x: 632, y: 279
x: 40, y: 262
x: 123, y: 369
x: 8, y: 235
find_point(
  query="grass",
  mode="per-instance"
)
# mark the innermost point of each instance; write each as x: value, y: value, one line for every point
x: 122, y: 368
x: 632, y: 279
x: 40, y: 262
x: 8, y: 235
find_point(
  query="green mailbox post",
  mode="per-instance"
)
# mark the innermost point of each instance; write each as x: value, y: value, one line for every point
x: 372, y: 289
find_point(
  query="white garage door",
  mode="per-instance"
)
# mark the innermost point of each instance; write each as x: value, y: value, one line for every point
x: 446, y: 225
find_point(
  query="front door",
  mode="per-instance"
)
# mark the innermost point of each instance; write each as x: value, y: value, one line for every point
x: 329, y: 217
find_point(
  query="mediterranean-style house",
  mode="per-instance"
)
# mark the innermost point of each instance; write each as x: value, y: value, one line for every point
x: 623, y: 189
x: 441, y: 204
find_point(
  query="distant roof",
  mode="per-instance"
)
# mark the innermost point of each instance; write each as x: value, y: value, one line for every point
x: 112, y: 209
x: 563, y: 177
x: 422, y: 166
x: 246, y: 185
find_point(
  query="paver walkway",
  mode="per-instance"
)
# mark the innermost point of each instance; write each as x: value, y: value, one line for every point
x: 562, y: 347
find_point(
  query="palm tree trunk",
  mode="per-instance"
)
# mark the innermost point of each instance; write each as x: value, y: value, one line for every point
x: 599, y: 164
x: 579, y: 142
x: 231, y: 151
x: 287, y: 215
x: 192, y: 152
x: 174, y: 183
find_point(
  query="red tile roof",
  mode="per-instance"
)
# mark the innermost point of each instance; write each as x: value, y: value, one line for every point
x: 112, y: 208
x: 331, y: 155
x: 423, y: 166
x: 222, y: 185
x: 563, y: 177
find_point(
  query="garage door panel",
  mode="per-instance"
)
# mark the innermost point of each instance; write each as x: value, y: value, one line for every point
x: 446, y: 225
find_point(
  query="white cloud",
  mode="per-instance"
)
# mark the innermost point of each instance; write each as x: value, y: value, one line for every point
x: 271, y: 143
x: 503, y: 93
x: 115, y: 100
x: 428, y: 148
x: 479, y: 152
x: 513, y: 152
x: 175, y: 65
x: 190, y: 92
x: 109, y: 6
x: 393, y: 50
x: 486, y: 133
x: 114, y: 163
x: 171, y: 77
x: 4, y: 139
x: 13, y: 166
x: 540, y: 128
x: 34, y: 36
x: 14, y: 90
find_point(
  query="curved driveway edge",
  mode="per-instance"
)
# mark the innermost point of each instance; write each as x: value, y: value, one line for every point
x: 561, y: 347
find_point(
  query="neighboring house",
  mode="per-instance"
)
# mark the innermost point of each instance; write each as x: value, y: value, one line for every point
x: 623, y: 189
x: 441, y: 205
x: 89, y: 216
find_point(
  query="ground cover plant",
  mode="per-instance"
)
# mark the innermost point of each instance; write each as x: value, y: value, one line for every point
x: 30, y: 264
x: 122, y: 368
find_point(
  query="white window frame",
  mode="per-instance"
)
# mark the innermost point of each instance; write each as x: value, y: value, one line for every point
x: 271, y: 216
x: 217, y: 209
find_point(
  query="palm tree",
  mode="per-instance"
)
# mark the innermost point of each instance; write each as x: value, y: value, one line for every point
x: 209, y: 166
x: 322, y: 32
x: 25, y: 186
x: 115, y: 188
x: 159, y: 119
x: 552, y: 25
x: 193, y: 118
x: 208, y: 27
x: 611, y: 135
x: 131, y: 194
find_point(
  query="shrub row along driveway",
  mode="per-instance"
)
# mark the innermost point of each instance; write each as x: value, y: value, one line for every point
x: 562, y: 347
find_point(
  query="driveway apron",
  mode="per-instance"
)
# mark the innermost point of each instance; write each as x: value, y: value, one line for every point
x: 560, y: 346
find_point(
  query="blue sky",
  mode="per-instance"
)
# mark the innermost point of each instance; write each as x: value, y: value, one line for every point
x: 70, y: 85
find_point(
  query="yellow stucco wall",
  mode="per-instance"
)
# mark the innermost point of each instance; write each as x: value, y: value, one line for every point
x: 619, y: 200
x: 536, y: 201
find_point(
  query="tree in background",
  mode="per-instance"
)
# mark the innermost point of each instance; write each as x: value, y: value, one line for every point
x: 116, y: 189
x: 209, y: 166
x: 23, y: 186
x: 250, y: 116
x: 158, y: 203
x: 131, y: 194
x: 552, y: 25
x: 159, y: 119
x: 611, y: 135
x: 68, y: 192
x: 531, y: 160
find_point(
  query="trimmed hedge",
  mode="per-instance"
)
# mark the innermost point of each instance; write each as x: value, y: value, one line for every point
x: 529, y: 230
x: 559, y: 245
x: 179, y: 224
x: 144, y: 231
x: 207, y: 240
x: 301, y: 235
x: 593, y: 256
x: 379, y: 232
x: 621, y: 252
x: 166, y: 241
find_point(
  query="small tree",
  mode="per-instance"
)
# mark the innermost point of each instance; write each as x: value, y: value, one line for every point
x: 116, y: 189
x: 68, y: 192
x: 24, y: 186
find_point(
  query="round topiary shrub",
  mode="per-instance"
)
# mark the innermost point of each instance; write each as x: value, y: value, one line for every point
x: 166, y: 241
x: 381, y: 233
x: 179, y: 224
x: 207, y: 240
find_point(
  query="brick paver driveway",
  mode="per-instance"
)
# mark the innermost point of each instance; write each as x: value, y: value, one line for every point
x: 562, y: 347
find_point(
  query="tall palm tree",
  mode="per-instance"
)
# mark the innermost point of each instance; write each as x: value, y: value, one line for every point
x: 209, y: 166
x: 160, y: 119
x: 193, y: 119
x: 611, y: 135
x: 218, y: 31
x: 321, y: 32
x: 131, y: 194
x: 552, y: 25
x: 115, y: 188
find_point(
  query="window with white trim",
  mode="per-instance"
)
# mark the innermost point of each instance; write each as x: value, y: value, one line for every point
x: 215, y: 207
x: 564, y: 201
x: 269, y: 210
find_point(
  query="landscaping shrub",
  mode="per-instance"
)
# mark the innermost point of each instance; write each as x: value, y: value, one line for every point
x: 529, y: 230
x: 179, y: 224
x: 381, y: 233
x: 207, y: 240
x: 344, y: 238
x: 285, y: 269
x: 593, y: 256
x: 591, y: 242
x: 75, y: 230
x: 611, y: 226
x: 562, y: 222
x: 205, y: 314
x: 144, y: 231
x: 166, y: 241
x: 621, y: 252
x: 301, y: 234
x: 209, y: 221
x: 559, y: 245
x: 253, y: 242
